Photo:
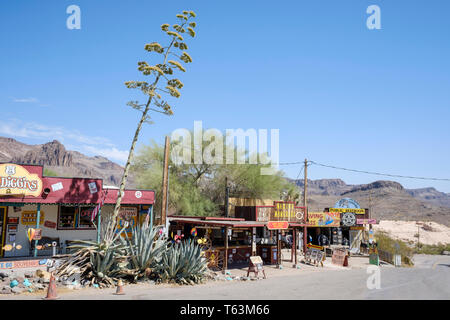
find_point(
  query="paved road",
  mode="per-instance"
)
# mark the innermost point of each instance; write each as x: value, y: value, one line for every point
x: 430, y: 279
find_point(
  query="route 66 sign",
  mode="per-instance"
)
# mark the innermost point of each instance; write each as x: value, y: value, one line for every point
x: 348, y: 219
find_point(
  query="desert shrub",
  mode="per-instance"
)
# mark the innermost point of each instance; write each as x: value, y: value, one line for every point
x: 388, y: 244
x: 433, y: 249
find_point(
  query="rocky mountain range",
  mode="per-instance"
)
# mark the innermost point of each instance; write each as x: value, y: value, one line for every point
x: 386, y: 199
x: 61, y: 162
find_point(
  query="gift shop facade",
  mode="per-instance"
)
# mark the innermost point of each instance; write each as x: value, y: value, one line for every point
x: 58, y: 210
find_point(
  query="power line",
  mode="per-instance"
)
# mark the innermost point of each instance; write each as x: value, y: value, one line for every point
x: 379, y: 174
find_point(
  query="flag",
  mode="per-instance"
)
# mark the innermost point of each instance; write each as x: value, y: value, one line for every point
x: 97, y: 207
x: 147, y: 219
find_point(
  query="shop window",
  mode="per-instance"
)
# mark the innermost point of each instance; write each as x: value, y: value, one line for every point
x: 84, y: 218
x: 67, y: 217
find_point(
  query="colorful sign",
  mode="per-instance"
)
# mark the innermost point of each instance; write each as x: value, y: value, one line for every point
x: 19, y: 264
x: 347, y: 203
x: 127, y: 215
x: 28, y: 217
x: 16, y: 180
x: 366, y: 221
x: 324, y: 219
x: 313, y: 246
x: 343, y: 210
x: 276, y: 225
x: 287, y: 211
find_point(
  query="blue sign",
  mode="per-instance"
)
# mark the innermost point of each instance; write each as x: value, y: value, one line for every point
x: 347, y: 203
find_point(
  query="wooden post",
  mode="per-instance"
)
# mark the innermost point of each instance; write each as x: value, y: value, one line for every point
x: 99, y: 223
x: 305, y: 203
x: 164, y: 182
x: 292, y: 245
x: 38, y: 218
x: 225, y: 260
x: 278, y: 248
x: 295, y: 245
x: 253, y: 241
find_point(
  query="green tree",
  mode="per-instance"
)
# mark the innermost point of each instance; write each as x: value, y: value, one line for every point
x: 158, y: 73
x: 50, y: 173
x: 199, y: 189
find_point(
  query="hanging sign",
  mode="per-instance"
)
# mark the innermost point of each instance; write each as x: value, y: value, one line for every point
x: 276, y: 225
x: 16, y: 180
x: 324, y: 219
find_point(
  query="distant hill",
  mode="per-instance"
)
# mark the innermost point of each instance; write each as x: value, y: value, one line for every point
x: 65, y: 163
x: 387, y: 199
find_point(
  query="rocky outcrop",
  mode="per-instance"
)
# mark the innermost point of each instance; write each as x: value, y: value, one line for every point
x: 376, y: 185
x: 66, y: 163
x: 49, y: 154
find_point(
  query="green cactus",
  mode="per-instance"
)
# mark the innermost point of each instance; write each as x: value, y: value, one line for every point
x: 183, y: 263
x: 145, y: 250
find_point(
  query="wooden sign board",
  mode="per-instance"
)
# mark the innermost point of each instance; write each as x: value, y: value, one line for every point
x: 339, y: 257
x: 314, y: 256
x: 256, y: 265
x: 256, y: 260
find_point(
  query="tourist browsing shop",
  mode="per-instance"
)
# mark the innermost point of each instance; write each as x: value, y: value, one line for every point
x: 40, y: 216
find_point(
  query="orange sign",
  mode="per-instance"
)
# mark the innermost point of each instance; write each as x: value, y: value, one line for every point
x: 16, y: 180
x: 275, y: 225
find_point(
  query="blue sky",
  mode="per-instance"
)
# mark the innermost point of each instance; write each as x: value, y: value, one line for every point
x: 341, y: 94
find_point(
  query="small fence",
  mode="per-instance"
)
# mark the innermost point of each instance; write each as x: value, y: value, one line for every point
x: 386, y: 256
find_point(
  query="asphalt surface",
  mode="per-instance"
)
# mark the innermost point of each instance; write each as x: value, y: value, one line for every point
x: 429, y: 279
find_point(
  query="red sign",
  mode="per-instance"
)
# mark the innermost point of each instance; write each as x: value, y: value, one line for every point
x: 12, y: 220
x: 275, y: 225
x: 50, y: 224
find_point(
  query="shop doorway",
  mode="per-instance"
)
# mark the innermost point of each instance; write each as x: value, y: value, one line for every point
x: 2, y: 229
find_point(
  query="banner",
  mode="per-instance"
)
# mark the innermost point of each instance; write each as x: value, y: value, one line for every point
x: 324, y: 219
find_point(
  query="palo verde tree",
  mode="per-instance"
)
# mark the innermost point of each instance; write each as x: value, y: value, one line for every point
x: 162, y: 81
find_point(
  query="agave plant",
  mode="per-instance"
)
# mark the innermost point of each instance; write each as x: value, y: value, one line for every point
x: 183, y: 263
x: 99, y: 263
x: 145, y: 250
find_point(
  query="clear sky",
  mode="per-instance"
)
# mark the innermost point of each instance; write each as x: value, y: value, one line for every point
x: 340, y: 94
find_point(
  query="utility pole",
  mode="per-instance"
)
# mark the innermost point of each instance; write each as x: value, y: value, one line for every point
x: 305, y: 203
x: 165, y: 182
x: 227, y: 195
